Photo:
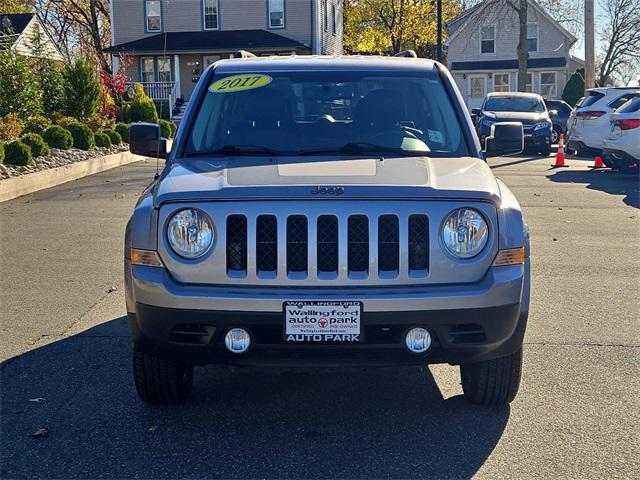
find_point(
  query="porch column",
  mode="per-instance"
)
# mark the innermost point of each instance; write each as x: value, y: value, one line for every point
x: 115, y: 64
x: 176, y: 74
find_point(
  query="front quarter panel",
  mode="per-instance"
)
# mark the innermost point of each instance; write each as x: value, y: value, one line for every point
x: 141, y: 232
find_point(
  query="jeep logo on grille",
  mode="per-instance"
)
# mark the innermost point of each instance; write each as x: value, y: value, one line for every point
x: 320, y: 190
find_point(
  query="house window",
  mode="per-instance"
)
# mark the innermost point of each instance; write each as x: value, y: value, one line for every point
x: 325, y: 15
x: 548, y: 84
x: 532, y: 37
x: 164, y: 69
x: 276, y: 13
x: 153, y: 12
x: 501, y: 82
x: 529, y: 85
x: 147, y: 69
x: 210, y: 14
x: 488, y: 40
x: 334, y: 18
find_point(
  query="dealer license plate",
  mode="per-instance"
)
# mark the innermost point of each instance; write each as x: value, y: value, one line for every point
x: 329, y: 322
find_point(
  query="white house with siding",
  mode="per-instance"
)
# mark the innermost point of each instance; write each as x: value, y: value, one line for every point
x: 482, y: 51
x: 18, y: 32
x: 172, y: 41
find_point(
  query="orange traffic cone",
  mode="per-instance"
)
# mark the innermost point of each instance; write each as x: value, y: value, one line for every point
x: 598, y: 163
x: 560, y: 154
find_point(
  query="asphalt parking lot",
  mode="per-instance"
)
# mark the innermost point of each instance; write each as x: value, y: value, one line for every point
x: 66, y: 363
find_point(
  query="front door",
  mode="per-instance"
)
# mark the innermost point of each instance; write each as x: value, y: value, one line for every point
x: 477, y: 90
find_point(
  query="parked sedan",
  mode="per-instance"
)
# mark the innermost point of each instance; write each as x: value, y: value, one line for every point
x: 621, y: 149
x: 589, y: 123
x: 560, y: 120
x: 527, y: 108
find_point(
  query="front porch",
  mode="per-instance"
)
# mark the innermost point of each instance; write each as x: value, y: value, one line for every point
x: 169, y: 65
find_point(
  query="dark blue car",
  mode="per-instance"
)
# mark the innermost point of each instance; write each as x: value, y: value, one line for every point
x: 527, y: 108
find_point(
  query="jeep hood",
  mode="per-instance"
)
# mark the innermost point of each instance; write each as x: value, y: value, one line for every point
x: 295, y: 178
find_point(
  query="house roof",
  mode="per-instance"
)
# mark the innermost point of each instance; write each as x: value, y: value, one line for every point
x: 17, y: 22
x: 470, y: 13
x: 207, y: 41
x: 551, y: 62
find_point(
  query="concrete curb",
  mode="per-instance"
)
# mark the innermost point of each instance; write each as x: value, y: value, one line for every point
x: 14, y: 187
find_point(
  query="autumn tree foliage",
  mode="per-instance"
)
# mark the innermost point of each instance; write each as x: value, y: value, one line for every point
x: 390, y: 26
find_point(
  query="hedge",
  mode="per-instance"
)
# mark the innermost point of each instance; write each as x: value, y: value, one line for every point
x: 36, y: 143
x: 17, y: 153
x: 58, y: 137
x: 1, y: 153
x: 102, y: 140
x: 166, y: 128
x: 83, y: 137
x: 114, y: 136
x: 123, y: 130
x: 37, y: 124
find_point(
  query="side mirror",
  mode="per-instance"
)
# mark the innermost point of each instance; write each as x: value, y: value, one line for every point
x: 145, y: 140
x: 553, y: 113
x: 507, y: 138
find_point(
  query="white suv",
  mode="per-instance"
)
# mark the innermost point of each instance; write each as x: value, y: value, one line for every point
x: 622, y: 146
x: 589, y: 123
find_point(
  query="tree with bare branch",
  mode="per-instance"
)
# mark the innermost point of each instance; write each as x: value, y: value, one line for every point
x: 620, y: 35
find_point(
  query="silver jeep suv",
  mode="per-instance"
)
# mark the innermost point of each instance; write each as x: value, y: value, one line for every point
x: 327, y: 212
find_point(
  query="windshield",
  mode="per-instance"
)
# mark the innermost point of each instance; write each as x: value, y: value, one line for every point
x: 297, y: 113
x: 514, y: 104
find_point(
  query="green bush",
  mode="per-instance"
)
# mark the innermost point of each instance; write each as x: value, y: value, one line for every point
x: 36, y: 144
x: 17, y: 153
x: 81, y: 88
x: 58, y: 137
x: 162, y: 107
x: 141, y: 108
x: 36, y: 124
x: 123, y: 130
x: 49, y: 76
x: 574, y: 88
x: 1, y: 153
x: 83, y: 137
x: 19, y: 90
x: 166, y: 129
x: 102, y: 140
x: 114, y: 136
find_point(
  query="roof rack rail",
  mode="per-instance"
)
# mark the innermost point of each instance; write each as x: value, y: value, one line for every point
x: 407, y: 54
x: 243, y: 54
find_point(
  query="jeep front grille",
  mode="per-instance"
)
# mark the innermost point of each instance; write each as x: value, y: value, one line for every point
x: 370, y: 246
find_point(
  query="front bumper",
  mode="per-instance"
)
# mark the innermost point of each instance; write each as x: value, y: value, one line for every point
x: 468, y: 323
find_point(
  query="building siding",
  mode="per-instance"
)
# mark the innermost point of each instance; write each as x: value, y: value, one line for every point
x: 186, y: 16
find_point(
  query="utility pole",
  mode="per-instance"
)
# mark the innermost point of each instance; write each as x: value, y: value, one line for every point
x: 589, y: 46
x: 439, y: 41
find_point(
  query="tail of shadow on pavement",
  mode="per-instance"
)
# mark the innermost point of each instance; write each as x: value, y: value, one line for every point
x: 240, y: 423
x: 605, y: 180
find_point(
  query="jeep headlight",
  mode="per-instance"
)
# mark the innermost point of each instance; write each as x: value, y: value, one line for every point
x: 190, y: 233
x: 487, y: 123
x: 465, y: 232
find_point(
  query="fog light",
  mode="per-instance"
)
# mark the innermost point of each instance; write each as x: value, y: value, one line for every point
x: 418, y: 340
x: 237, y: 340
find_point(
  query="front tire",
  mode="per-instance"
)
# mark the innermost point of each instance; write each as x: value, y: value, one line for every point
x: 492, y: 382
x: 161, y: 382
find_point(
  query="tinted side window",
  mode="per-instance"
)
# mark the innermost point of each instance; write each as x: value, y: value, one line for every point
x: 618, y: 102
x: 591, y: 98
x: 632, y: 105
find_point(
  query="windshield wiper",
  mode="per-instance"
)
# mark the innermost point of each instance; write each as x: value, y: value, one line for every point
x: 364, y: 147
x: 237, y: 150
